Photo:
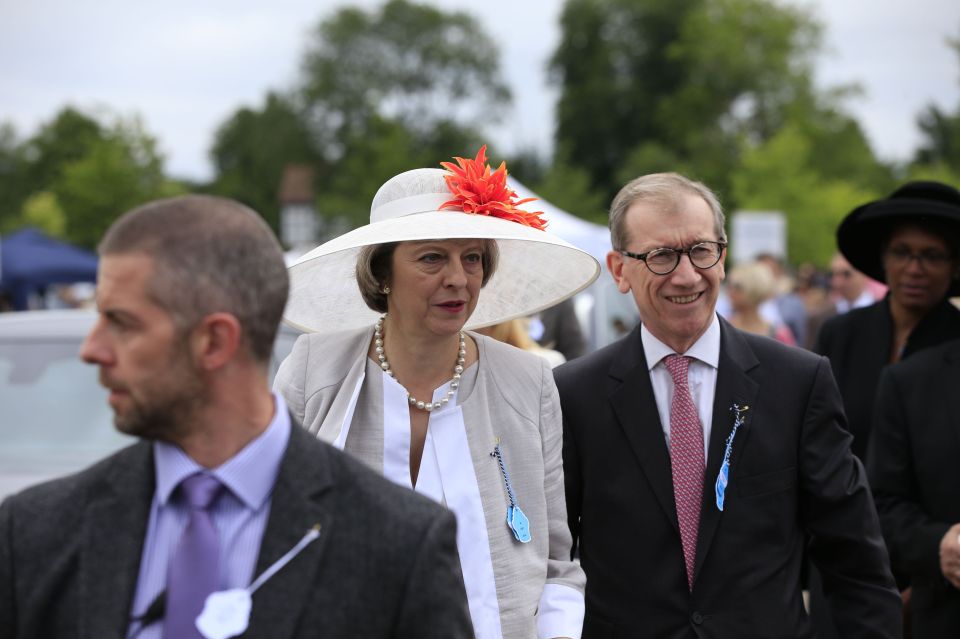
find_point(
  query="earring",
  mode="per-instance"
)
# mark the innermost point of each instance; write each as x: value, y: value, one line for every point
x: 385, y: 290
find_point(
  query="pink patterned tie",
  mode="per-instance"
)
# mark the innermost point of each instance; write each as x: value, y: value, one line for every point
x: 686, y: 459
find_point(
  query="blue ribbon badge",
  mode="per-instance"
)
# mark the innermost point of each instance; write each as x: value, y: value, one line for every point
x: 517, y: 522
x: 723, y: 477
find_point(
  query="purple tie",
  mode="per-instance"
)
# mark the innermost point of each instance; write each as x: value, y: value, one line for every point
x: 686, y: 460
x: 194, y: 571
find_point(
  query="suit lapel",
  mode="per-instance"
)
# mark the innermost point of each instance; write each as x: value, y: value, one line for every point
x: 734, y: 386
x: 112, y: 541
x: 301, y: 499
x: 635, y: 407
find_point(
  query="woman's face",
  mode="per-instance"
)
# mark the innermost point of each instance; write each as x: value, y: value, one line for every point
x: 918, y: 267
x: 435, y: 285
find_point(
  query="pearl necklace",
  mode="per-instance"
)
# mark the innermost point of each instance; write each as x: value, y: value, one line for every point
x: 414, y: 402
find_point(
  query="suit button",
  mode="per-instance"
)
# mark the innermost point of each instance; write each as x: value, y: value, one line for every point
x: 696, y: 618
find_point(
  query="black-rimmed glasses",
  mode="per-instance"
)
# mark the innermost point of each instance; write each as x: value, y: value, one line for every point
x: 928, y: 259
x: 663, y: 261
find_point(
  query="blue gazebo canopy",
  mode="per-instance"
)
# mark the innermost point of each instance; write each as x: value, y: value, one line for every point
x: 30, y: 261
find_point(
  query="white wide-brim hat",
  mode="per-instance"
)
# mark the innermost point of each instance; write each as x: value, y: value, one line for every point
x: 535, y: 269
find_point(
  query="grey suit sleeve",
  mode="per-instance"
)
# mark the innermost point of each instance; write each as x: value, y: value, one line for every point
x: 435, y: 602
x: 912, y: 535
x: 560, y: 568
x: 8, y: 610
x: 841, y: 520
x: 291, y: 377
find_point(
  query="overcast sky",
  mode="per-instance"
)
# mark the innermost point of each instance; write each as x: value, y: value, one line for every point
x: 184, y: 66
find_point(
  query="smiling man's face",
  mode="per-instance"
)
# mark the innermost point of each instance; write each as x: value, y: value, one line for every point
x: 678, y: 307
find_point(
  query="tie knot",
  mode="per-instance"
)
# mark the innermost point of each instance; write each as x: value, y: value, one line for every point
x: 678, y: 366
x: 200, y: 490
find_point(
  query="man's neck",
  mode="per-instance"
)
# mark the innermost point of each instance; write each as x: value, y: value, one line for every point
x: 223, y: 426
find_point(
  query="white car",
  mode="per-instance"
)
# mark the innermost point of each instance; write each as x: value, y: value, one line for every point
x: 54, y: 416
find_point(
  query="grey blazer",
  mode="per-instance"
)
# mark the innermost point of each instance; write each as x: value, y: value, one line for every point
x: 514, y: 398
x: 70, y: 552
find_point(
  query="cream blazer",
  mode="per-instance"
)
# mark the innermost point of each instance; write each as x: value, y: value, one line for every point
x: 514, y: 398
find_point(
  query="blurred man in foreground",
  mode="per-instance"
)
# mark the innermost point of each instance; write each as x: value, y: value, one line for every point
x: 226, y: 518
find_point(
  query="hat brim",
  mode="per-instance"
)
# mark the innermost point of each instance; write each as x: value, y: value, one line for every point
x: 535, y: 270
x: 861, y: 235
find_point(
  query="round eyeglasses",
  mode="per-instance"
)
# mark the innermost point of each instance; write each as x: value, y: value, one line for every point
x: 663, y: 261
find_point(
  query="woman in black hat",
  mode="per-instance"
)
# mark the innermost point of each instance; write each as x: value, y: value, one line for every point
x: 909, y: 240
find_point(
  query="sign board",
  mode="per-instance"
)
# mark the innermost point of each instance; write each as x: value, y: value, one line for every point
x: 754, y: 233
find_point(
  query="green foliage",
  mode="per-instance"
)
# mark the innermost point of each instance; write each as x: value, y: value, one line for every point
x: 409, y: 62
x: 395, y: 88
x: 935, y: 172
x: 67, y: 138
x: 781, y: 175
x: 380, y: 91
x: 613, y: 69
x: 43, y: 211
x: 941, y: 147
x: 568, y: 186
x: 387, y: 148
x: 721, y: 91
x: 77, y: 174
x: 251, y: 149
x: 688, y: 80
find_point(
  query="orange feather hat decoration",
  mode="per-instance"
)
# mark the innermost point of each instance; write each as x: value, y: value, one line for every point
x: 480, y: 191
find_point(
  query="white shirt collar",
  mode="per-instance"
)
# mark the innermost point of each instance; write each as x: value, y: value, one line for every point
x: 706, y: 349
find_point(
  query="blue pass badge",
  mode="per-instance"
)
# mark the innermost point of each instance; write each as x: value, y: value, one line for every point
x: 723, y: 477
x: 518, y: 523
x: 721, y: 487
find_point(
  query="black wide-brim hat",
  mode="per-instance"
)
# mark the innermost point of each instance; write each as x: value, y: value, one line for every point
x: 863, y: 232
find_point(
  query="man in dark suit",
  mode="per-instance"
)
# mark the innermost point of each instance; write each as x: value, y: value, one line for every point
x: 912, y: 465
x: 227, y: 519
x: 702, y: 462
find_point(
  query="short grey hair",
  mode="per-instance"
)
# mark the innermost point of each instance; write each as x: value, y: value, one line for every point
x: 210, y: 255
x: 662, y: 188
x: 375, y: 264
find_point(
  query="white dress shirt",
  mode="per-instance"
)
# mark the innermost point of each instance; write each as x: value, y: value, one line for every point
x: 702, y: 377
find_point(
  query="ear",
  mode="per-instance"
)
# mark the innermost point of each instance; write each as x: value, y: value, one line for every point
x: 216, y: 340
x: 615, y: 266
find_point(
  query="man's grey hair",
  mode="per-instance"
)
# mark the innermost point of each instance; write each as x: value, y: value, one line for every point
x: 210, y: 255
x: 663, y: 189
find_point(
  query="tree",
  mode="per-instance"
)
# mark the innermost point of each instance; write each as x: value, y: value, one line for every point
x: 11, y: 175
x: 612, y: 67
x: 940, y: 151
x: 43, y: 211
x: 408, y: 62
x: 251, y: 149
x: 77, y: 174
x: 380, y: 91
x: 395, y: 88
x: 687, y: 84
x: 568, y: 186
x: 120, y: 170
x: 781, y: 175
x: 35, y: 164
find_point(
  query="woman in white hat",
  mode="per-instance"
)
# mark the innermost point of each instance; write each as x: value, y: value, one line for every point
x: 393, y: 378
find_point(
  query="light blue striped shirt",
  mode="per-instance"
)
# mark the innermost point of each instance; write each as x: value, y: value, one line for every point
x: 240, y: 513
